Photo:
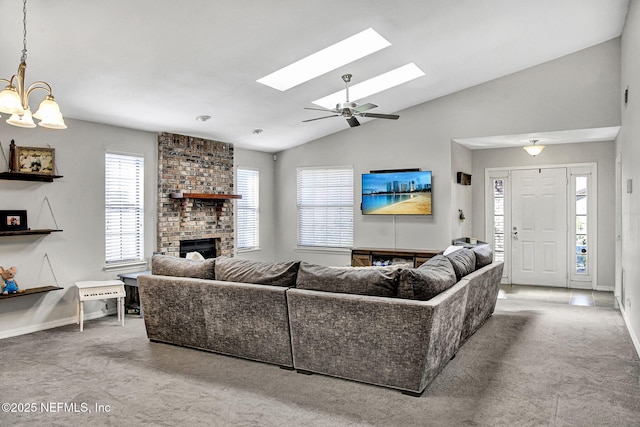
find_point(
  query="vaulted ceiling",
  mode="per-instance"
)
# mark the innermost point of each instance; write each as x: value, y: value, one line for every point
x: 156, y: 65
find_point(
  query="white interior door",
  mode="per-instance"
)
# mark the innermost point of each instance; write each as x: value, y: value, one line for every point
x: 539, y: 227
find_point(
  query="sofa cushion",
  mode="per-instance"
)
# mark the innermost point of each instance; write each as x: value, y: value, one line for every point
x: 373, y: 281
x: 463, y: 261
x: 261, y: 273
x: 166, y: 265
x: 428, y: 280
x: 484, y: 255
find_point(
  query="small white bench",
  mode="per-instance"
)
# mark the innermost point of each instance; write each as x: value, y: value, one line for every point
x: 95, y: 290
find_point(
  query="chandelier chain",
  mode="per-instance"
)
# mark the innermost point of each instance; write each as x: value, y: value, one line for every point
x: 24, y: 32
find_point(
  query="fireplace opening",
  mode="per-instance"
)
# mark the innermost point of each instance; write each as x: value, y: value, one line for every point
x: 206, y: 247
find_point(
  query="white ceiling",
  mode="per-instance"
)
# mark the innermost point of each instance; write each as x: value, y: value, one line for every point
x: 155, y: 65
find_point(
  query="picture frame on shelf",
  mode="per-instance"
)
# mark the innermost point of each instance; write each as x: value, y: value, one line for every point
x: 32, y: 160
x: 13, y: 220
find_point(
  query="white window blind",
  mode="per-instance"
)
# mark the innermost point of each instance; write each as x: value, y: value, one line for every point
x: 124, y: 208
x: 325, y: 207
x: 247, y: 229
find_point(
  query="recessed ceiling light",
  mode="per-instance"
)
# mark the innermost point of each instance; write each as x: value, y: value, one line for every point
x: 374, y: 85
x: 346, y: 51
x: 203, y: 118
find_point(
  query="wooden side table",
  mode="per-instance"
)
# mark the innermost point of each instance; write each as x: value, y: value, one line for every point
x: 94, y: 290
x: 131, y: 280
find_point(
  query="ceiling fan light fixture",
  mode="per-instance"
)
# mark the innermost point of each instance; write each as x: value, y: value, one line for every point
x: 341, y: 53
x: 534, y: 149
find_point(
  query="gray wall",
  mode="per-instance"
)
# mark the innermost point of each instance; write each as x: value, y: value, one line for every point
x: 574, y: 92
x: 628, y: 148
x: 77, y: 200
x: 602, y: 153
x: 265, y: 164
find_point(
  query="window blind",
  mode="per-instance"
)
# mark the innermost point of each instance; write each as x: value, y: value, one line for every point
x: 325, y: 207
x: 124, y: 208
x: 247, y: 228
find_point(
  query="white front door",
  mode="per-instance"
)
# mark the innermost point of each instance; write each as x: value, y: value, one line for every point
x: 539, y: 227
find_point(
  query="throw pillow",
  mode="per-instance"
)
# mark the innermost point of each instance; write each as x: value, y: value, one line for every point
x: 166, y: 265
x: 428, y: 280
x: 373, y: 281
x: 261, y: 273
x: 463, y: 261
x: 484, y: 255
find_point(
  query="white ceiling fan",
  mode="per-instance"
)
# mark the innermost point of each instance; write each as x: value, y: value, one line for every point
x: 349, y: 110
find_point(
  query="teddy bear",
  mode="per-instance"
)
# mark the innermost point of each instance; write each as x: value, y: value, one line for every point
x: 10, y: 285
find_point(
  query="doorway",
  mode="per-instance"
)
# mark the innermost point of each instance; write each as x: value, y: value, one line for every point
x: 537, y: 222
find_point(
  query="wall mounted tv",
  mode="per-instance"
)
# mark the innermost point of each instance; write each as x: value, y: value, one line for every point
x: 396, y: 193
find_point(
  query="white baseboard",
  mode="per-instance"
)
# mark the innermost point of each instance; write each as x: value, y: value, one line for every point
x: 54, y: 324
x: 634, y: 336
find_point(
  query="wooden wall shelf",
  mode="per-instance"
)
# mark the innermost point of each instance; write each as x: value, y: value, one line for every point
x: 28, y: 232
x: 16, y: 176
x: 31, y: 291
x: 204, y: 196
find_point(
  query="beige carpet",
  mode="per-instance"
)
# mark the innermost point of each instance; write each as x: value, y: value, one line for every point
x: 532, y: 364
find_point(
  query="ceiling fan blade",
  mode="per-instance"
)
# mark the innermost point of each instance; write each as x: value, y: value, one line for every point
x: 365, y: 107
x: 353, y: 122
x: 380, y: 116
x: 318, y: 118
x: 320, y: 109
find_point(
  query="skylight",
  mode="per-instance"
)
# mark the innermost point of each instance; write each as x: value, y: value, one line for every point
x: 374, y: 85
x: 328, y: 59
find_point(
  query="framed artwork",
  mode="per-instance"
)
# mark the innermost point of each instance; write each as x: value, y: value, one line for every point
x: 34, y: 160
x: 13, y: 220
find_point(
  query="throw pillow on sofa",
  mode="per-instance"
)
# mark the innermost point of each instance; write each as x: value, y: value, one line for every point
x: 463, y: 261
x: 372, y: 281
x: 167, y: 265
x: 425, y: 282
x: 484, y: 255
x: 261, y: 273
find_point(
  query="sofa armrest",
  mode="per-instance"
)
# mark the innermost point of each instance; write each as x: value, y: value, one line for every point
x: 238, y: 319
x: 384, y: 341
x: 484, y: 285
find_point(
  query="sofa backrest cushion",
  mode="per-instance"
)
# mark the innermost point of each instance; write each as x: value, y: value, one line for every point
x: 463, y: 261
x: 373, y: 281
x: 484, y: 255
x: 167, y: 265
x: 261, y: 273
x: 428, y: 280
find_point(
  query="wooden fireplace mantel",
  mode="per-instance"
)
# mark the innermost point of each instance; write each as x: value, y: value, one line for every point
x: 205, y: 196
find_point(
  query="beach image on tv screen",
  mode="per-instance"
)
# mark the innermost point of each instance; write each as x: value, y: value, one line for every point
x: 396, y: 193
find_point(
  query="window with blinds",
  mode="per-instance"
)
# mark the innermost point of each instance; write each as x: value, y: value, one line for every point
x: 124, y: 208
x: 325, y: 207
x: 247, y: 228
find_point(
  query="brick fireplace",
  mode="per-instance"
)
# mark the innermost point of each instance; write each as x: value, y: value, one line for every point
x: 194, y: 165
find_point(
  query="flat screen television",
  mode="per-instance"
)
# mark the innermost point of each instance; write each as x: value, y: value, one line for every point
x: 396, y: 193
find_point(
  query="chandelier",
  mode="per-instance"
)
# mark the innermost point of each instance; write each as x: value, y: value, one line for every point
x: 534, y: 149
x: 14, y: 99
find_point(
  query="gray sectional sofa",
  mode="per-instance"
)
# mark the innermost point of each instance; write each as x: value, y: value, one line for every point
x: 388, y: 326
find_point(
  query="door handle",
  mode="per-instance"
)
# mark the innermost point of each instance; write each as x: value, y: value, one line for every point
x: 514, y: 234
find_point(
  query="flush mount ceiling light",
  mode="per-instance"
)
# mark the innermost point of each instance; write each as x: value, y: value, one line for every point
x: 203, y: 118
x: 534, y: 149
x: 14, y: 99
x: 328, y: 59
x: 374, y: 85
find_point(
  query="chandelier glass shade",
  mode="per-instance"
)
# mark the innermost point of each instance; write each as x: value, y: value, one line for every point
x: 534, y: 149
x: 14, y: 98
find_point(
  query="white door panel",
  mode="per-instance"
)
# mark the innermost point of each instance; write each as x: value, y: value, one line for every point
x: 539, y: 227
